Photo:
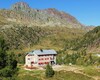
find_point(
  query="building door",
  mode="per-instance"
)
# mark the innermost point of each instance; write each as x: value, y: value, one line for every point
x: 52, y: 62
x: 32, y: 63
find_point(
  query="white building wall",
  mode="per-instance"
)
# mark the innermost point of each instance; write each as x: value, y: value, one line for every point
x: 37, y: 59
x: 30, y: 59
x: 55, y: 59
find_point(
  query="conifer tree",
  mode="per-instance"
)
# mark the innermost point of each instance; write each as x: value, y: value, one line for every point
x: 8, y: 63
x: 49, y: 71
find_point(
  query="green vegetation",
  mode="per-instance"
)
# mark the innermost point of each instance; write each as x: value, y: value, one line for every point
x: 59, y: 75
x: 90, y: 70
x: 49, y: 71
x: 3, y: 21
x: 77, y: 58
x: 8, y: 63
x: 68, y: 75
x: 20, y: 36
x: 90, y: 39
x: 28, y: 77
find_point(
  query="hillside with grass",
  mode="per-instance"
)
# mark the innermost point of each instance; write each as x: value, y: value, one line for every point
x: 64, y: 72
x: 24, y: 29
x: 21, y: 36
x: 90, y: 41
x: 3, y: 21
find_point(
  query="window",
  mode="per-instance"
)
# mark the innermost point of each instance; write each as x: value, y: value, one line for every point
x: 28, y: 58
x: 39, y: 63
x: 30, y: 55
x: 46, y: 62
x: 42, y: 59
x: 32, y: 62
x: 46, y: 58
x: 51, y: 58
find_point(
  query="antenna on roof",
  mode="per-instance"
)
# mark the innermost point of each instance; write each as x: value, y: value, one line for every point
x: 41, y: 50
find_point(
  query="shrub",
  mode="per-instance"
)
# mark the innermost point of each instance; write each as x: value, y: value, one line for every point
x: 49, y: 71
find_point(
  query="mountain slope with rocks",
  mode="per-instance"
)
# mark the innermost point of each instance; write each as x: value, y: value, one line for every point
x: 21, y: 26
x: 21, y: 13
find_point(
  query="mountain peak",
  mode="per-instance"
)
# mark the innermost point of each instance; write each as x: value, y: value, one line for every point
x: 20, y: 6
x: 22, y: 13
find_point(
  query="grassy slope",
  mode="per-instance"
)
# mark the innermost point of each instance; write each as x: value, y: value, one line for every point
x: 68, y: 75
x: 60, y: 75
x: 91, y: 41
x: 2, y: 20
x: 56, y: 39
x: 91, y: 71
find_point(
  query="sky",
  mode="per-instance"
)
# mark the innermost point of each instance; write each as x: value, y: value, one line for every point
x: 85, y: 11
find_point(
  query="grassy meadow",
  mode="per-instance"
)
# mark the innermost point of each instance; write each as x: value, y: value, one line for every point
x: 82, y: 73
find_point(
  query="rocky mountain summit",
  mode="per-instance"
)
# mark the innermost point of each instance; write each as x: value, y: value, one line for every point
x: 21, y: 13
x: 20, y: 6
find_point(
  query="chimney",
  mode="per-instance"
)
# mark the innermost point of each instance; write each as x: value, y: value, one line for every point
x: 41, y: 50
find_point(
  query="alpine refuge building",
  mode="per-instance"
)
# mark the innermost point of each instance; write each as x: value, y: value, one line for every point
x: 41, y: 57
